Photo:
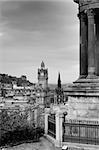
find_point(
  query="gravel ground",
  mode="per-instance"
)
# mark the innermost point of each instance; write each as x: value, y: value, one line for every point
x: 44, y: 144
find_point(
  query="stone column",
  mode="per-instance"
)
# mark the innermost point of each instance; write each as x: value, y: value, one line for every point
x: 83, y: 45
x: 91, y: 44
x: 97, y: 46
x: 59, y: 131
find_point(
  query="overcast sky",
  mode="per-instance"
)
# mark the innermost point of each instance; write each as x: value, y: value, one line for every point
x: 32, y: 31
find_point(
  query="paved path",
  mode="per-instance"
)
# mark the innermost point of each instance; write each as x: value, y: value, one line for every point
x: 44, y: 144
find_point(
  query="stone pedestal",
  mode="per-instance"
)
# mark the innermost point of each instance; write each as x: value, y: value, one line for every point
x: 47, y: 112
x: 83, y: 113
x: 83, y: 100
x: 83, y: 107
x: 59, y: 121
x: 59, y: 111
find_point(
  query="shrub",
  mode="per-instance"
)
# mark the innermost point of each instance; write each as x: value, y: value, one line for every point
x: 16, y: 128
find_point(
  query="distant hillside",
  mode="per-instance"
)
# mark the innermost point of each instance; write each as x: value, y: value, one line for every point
x: 52, y: 86
x: 22, y: 81
x: 66, y: 85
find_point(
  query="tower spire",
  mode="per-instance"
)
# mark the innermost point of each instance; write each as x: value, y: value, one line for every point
x: 59, y: 80
x: 43, y: 76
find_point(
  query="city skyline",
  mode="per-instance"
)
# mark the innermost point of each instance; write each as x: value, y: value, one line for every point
x: 32, y: 31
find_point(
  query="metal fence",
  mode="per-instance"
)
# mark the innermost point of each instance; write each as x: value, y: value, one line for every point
x: 52, y: 126
x: 81, y: 131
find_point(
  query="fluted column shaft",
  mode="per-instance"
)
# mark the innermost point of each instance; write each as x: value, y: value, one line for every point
x: 83, y: 46
x: 91, y: 44
x: 97, y: 47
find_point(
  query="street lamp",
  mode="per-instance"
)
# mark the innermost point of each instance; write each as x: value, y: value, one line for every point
x: 65, y: 114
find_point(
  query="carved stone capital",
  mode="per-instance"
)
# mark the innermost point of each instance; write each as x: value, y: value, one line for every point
x: 90, y: 12
x: 82, y: 16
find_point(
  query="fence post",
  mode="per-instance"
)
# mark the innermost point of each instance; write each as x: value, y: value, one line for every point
x: 59, y: 132
x: 46, y: 121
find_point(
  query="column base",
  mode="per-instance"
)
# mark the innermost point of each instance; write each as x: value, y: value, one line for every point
x: 92, y: 76
x: 91, y: 73
x: 58, y: 143
x: 82, y: 76
x: 88, y: 79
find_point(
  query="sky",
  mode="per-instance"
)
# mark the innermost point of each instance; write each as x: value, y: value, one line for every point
x: 36, y: 30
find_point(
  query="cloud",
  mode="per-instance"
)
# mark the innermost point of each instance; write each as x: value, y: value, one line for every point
x: 36, y: 30
x: 1, y: 34
x: 29, y: 15
x: 37, y: 0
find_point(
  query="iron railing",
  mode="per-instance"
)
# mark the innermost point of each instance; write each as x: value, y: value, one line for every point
x: 52, y: 126
x: 77, y: 131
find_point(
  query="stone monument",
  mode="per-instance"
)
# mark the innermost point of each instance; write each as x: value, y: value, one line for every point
x: 83, y: 94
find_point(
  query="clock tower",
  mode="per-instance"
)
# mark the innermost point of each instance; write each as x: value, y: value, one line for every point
x: 43, y: 76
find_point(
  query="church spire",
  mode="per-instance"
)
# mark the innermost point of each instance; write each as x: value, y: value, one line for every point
x: 59, y: 92
x: 59, y: 81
